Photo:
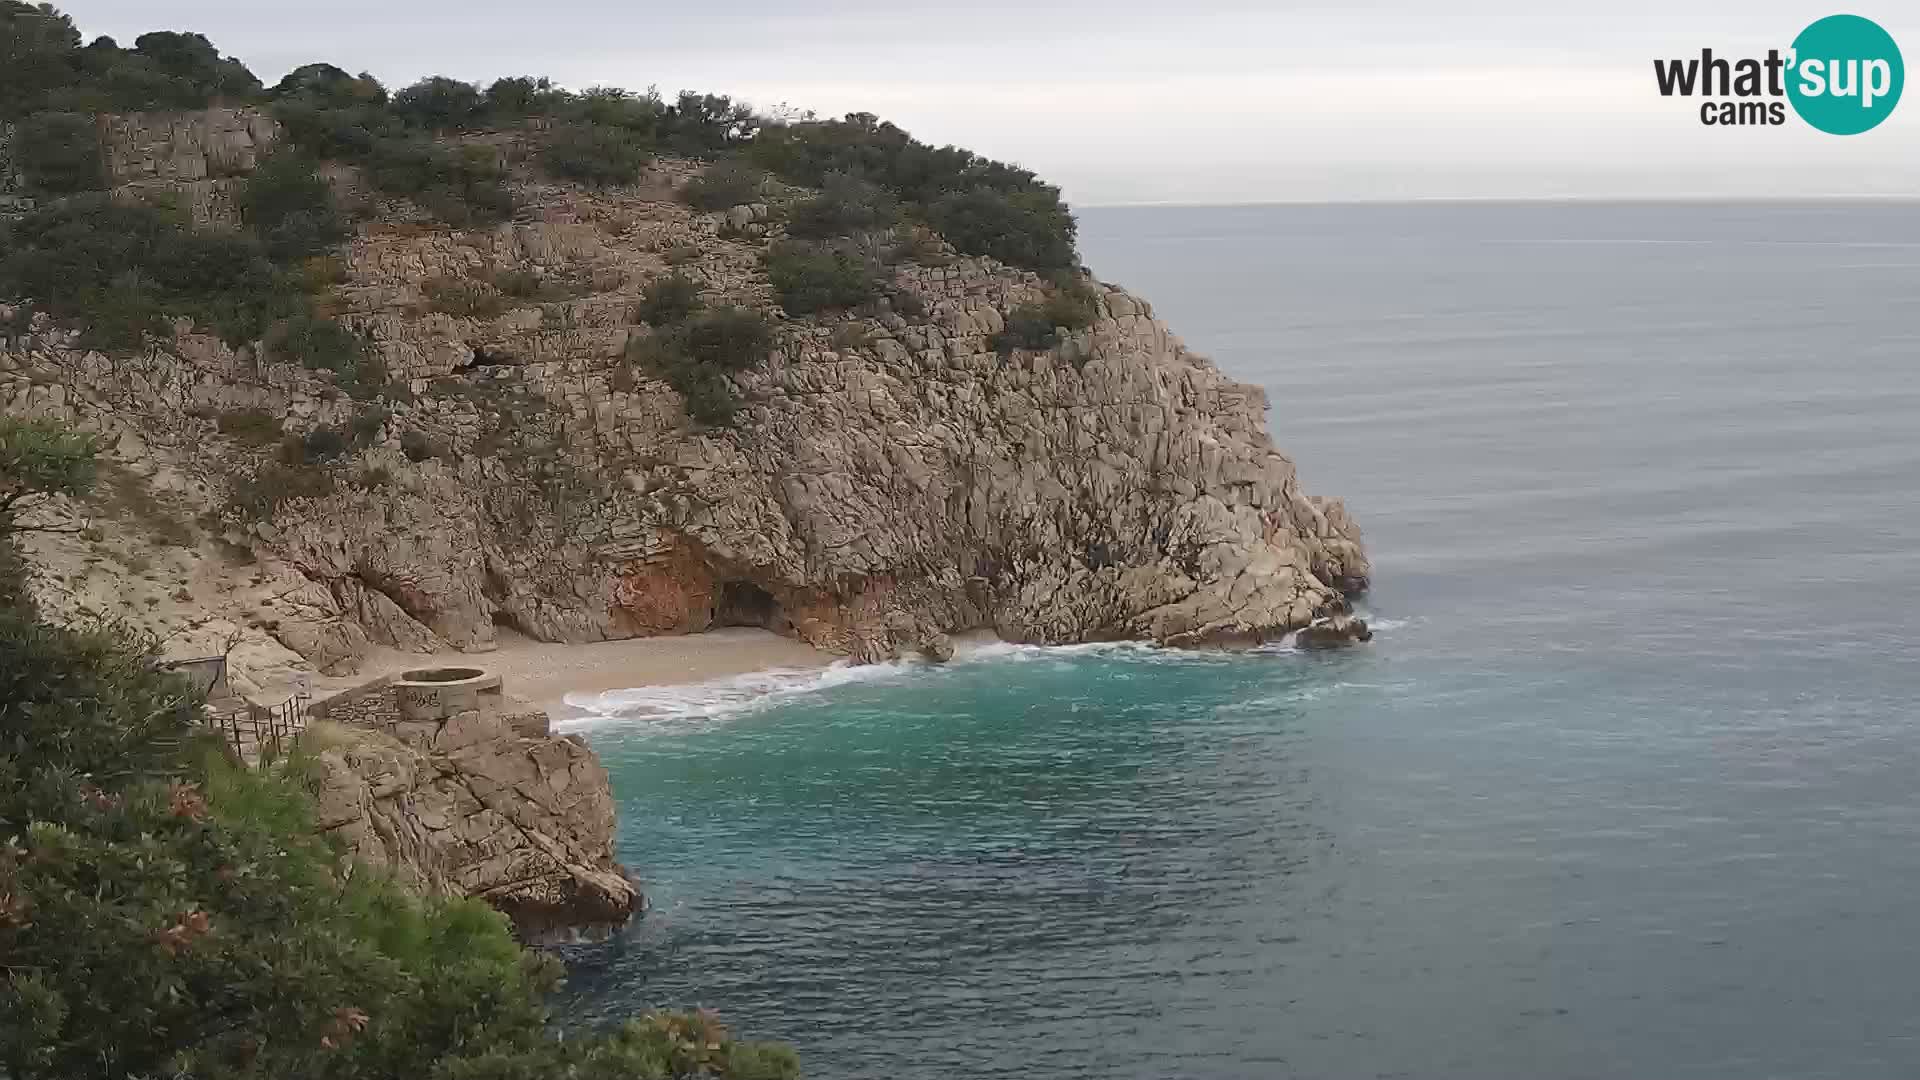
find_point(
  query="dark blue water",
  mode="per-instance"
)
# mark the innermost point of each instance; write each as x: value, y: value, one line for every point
x: 1626, y: 788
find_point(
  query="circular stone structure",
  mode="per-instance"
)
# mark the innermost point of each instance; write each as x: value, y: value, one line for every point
x: 438, y: 693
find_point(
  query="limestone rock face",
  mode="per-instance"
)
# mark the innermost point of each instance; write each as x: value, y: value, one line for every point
x: 891, y: 477
x: 481, y: 804
x: 196, y: 155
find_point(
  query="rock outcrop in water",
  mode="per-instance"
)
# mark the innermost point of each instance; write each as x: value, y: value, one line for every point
x: 483, y: 804
x: 1334, y: 631
x: 892, y: 478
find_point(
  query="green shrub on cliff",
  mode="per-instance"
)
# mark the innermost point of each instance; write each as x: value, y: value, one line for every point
x: 258, y: 496
x: 329, y: 115
x: 643, y: 114
x: 1021, y: 228
x: 291, y: 209
x: 121, y: 271
x: 464, y: 297
x: 668, y: 299
x: 603, y: 136
x: 695, y: 357
x: 39, y: 460
x: 318, y: 446
x: 319, y: 344
x: 1069, y: 306
x: 460, y: 186
x: 983, y: 207
x: 253, y: 427
x: 325, y: 127
x: 164, y: 912
x: 809, y: 277
x: 725, y: 184
x: 729, y: 338
x: 711, y: 400
x: 594, y: 154
x: 59, y: 153
x: 847, y: 205
x: 418, y: 447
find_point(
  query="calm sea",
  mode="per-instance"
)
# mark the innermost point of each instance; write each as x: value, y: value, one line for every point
x: 1627, y: 787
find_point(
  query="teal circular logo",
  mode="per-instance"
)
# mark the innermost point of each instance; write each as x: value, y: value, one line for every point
x: 1846, y: 75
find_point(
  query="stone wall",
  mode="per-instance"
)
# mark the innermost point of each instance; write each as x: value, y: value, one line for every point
x: 370, y: 704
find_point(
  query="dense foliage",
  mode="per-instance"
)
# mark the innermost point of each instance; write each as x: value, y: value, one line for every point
x: 728, y: 338
x: 696, y: 353
x: 165, y: 912
x: 43, y: 67
x: 983, y: 207
x: 810, y: 277
x: 459, y: 185
x: 124, y: 270
x: 847, y: 205
x: 595, y: 154
x: 668, y: 299
x: 1069, y: 306
x: 464, y: 297
x: 1023, y: 228
x: 724, y: 184
x: 250, y: 426
x: 325, y: 345
x: 601, y: 136
x: 58, y: 153
x: 291, y: 208
x: 259, y: 495
x: 329, y: 114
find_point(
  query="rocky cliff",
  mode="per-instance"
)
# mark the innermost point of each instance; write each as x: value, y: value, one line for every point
x: 891, y: 478
x: 482, y: 803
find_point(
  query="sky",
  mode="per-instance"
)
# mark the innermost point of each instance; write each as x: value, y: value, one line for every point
x: 1122, y: 101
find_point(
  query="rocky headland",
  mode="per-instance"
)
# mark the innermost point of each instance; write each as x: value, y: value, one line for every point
x: 890, y: 474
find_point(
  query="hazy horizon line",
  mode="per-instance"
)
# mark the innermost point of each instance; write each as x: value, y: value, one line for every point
x: 1418, y: 199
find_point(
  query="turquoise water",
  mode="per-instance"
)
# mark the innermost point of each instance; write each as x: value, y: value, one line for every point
x: 1624, y: 788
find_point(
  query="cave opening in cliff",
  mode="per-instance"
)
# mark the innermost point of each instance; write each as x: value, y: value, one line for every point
x: 504, y: 620
x: 742, y: 603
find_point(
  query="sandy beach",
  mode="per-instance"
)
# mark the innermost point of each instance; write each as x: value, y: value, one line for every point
x: 545, y: 673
